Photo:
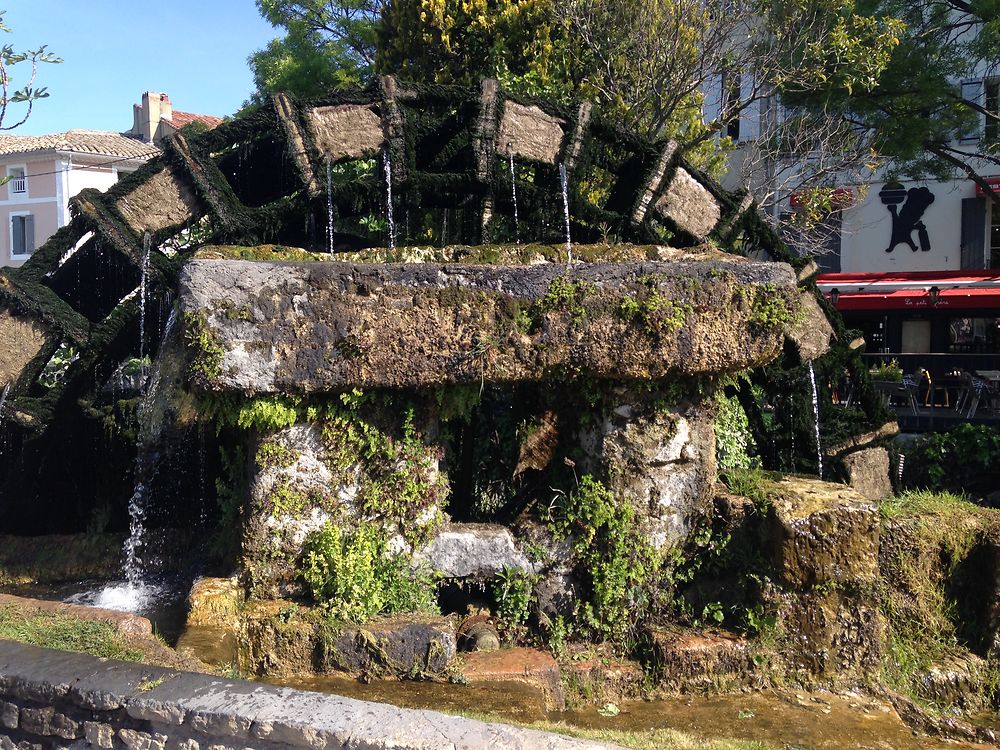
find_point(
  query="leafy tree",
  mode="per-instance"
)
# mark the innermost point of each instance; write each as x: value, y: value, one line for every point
x: 26, y: 94
x: 327, y: 43
x: 920, y: 116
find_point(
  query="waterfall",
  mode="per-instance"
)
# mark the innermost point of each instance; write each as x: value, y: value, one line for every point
x: 135, y: 593
x: 329, y: 207
x: 3, y: 400
x: 815, y: 400
x: 147, y: 244
x: 387, y: 163
x: 565, y: 197
x: 513, y: 192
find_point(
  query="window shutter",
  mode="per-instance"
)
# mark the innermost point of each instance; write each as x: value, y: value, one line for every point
x: 17, y: 235
x: 973, y: 233
x: 29, y: 234
x: 973, y: 91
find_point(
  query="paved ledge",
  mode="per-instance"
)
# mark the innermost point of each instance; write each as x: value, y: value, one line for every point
x: 264, y: 327
x: 51, y: 698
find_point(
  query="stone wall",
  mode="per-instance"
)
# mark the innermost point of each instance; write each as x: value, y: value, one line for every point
x: 52, y: 699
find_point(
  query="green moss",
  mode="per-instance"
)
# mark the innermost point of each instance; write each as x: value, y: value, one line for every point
x: 770, y: 308
x: 206, y: 362
x: 652, y: 311
x: 273, y: 454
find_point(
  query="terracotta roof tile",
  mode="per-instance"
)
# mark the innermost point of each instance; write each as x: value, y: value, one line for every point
x: 102, y: 142
x: 180, y: 119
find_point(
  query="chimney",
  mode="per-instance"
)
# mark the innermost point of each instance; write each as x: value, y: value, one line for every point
x: 146, y: 116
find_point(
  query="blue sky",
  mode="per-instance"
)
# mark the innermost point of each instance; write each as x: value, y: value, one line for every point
x: 195, y: 51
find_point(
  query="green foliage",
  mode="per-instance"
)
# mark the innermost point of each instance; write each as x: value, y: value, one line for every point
x: 751, y: 483
x: 612, y: 554
x: 735, y: 447
x: 57, y: 367
x: 27, y: 94
x: 272, y: 453
x: 356, y: 578
x: 770, y: 308
x: 890, y: 370
x: 51, y: 630
x: 206, y: 363
x: 514, y: 592
x: 564, y: 295
x: 964, y: 459
x: 327, y: 44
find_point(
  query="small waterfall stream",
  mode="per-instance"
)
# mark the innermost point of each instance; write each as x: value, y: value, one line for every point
x: 387, y: 163
x: 513, y: 192
x: 565, y: 196
x: 329, y: 207
x: 147, y: 246
x: 136, y: 593
x: 815, y: 403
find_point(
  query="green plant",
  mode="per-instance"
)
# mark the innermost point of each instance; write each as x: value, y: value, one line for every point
x: 66, y: 633
x: 355, y: 577
x: 58, y: 365
x: 964, y: 459
x: 514, y: 592
x: 206, y: 363
x: 734, y: 444
x: 770, y: 308
x: 752, y: 483
x: 611, y: 552
x: 890, y: 370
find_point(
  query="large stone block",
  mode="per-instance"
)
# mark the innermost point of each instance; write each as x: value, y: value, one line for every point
x: 690, y: 205
x: 345, y: 131
x: 530, y: 133
x: 466, y: 550
x: 868, y: 473
x: 398, y: 647
x: 823, y: 533
x: 328, y: 327
x: 22, y: 338
x: 164, y: 200
x: 661, y: 459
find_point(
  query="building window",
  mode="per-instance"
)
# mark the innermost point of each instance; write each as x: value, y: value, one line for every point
x: 22, y: 235
x: 18, y: 181
x: 731, y: 90
x: 974, y: 335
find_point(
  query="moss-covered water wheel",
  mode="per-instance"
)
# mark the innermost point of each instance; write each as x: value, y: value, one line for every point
x: 312, y: 175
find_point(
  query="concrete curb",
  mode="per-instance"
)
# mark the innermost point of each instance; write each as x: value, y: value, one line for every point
x: 48, y: 697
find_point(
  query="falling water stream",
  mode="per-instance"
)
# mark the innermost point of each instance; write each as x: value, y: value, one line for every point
x: 136, y: 593
x: 815, y: 400
x: 565, y: 197
x: 329, y: 207
x: 387, y: 162
x: 513, y: 192
x: 147, y: 244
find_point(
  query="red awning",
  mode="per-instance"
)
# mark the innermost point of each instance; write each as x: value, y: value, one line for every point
x: 919, y: 299
x: 994, y: 183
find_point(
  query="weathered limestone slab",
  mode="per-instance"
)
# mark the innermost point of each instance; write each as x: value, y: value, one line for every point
x: 823, y: 533
x: 690, y: 205
x: 466, y: 550
x: 21, y: 340
x: 519, y: 665
x: 285, y: 110
x: 812, y: 331
x: 402, y: 646
x: 868, y: 472
x: 328, y: 327
x: 530, y: 133
x: 349, y: 131
x: 660, y: 459
x: 687, y: 659
x: 162, y: 201
x: 61, y: 696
